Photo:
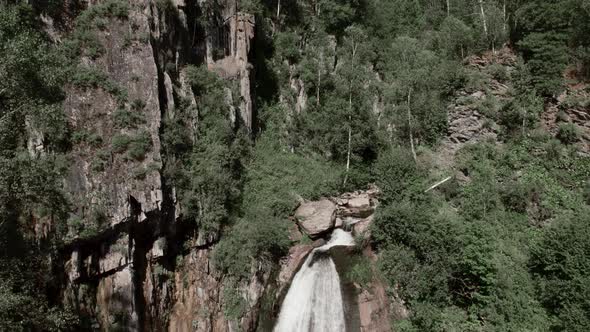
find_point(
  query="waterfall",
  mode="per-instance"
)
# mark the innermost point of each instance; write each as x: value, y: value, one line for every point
x: 314, y: 300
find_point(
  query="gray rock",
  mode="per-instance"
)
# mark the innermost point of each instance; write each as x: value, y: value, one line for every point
x: 316, y: 217
x: 358, y: 205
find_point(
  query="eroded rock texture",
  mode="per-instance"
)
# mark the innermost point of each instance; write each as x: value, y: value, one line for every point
x: 125, y: 265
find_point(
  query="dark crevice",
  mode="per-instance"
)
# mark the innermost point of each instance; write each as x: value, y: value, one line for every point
x: 140, y: 239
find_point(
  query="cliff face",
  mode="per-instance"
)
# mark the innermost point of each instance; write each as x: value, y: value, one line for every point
x: 126, y: 264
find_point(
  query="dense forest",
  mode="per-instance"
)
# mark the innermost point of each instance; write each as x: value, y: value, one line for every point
x: 502, y: 244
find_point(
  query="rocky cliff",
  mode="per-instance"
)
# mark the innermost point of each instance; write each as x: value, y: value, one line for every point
x: 127, y: 263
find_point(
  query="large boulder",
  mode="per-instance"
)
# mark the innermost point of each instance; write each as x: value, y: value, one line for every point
x: 316, y: 217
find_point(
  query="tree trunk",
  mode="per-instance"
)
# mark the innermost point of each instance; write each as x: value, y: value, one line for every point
x: 317, y: 89
x: 504, y: 12
x: 483, y: 17
x: 448, y: 7
x: 410, y: 128
x: 278, y: 9
x: 353, y: 55
x: 349, y: 135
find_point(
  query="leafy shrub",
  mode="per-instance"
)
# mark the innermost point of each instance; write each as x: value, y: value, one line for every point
x: 84, y: 39
x: 359, y: 271
x: 270, y: 194
x: 139, y: 145
x: 234, y: 304
x: 521, y: 113
x: 568, y: 133
x: 100, y: 161
x: 108, y: 9
x: 128, y: 119
x: 84, y: 136
x: 489, y: 106
x: 562, y: 116
x: 165, y: 6
x: 120, y: 143
x: 86, y: 78
x: 136, y: 146
x: 287, y: 44
x: 516, y: 196
x: 560, y: 264
x: 498, y: 72
x: 137, y: 105
x: 395, y: 172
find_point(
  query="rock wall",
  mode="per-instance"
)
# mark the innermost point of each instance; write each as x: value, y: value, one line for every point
x: 127, y: 263
x: 235, y: 31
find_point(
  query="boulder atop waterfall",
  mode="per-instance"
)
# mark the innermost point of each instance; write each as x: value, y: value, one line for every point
x: 316, y: 217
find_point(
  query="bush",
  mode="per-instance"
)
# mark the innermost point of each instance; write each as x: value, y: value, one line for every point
x: 568, y: 133
x: 521, y: 113
x: 270, y: 195
x: 395, y: 173
x: 100, y: 161
x: 86, y: 78
x: 84, y: 136
x: 560, y: 263
x: 120, y: 143
x: 137, y: 105
x: 108, y: 9
x: 359, y: 271
x: 287, y: 44
x: 139, y: 145
x: 498, y: 72
x: 128, y: 119
x: 516, y: 196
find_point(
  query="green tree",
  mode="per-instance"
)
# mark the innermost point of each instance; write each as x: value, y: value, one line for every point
x: 542, y: 36
x: 31, y: 77
x: 413, y: 91
x: 560, y: 265
x: 456, y: 37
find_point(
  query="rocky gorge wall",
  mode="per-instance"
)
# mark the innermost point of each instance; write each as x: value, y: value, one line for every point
x: 127, y: 263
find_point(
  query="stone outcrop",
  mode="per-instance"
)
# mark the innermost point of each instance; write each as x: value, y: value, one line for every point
x: 291, y: 264
x: 199, y: 295
x: 570, y: 107
x: 372, y: 302
x: 378, y: 308
x: 356, y: 205
x: 233, y: 39
x: 468, y: 121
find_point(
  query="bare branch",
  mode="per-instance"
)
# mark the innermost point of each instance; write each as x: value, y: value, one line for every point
x: 438, y: 184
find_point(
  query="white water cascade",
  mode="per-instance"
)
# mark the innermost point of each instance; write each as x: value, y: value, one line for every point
x: 314, y: 300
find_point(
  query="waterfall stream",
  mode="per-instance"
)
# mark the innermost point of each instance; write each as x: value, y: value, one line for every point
x: 314, y: 300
